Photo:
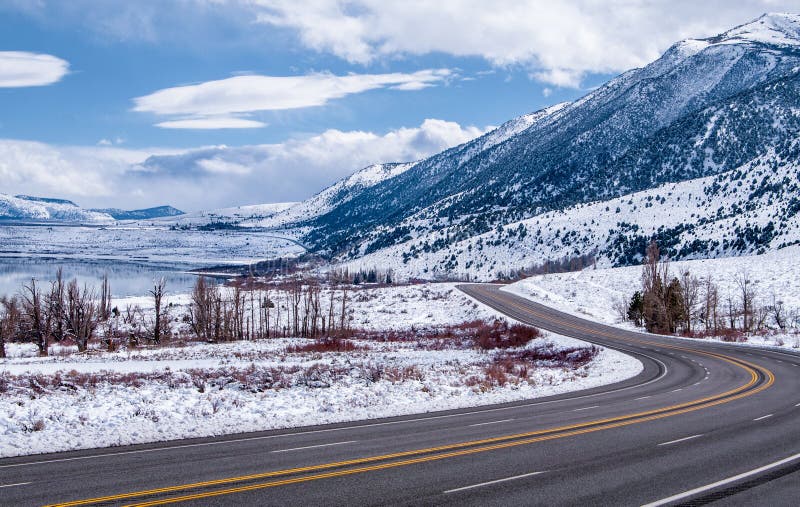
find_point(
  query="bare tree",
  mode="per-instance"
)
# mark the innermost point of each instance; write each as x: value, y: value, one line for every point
x: 690, y: 291
x: 158, y: 300
x: 778, y: 312
x: 10, y: 317
x: 201, y: 310
x: 732, y: 311
x: 34, y: 316
x: 105, y: 298
x: 55, y: 315
x: 747, y: 295
x: 81, y: 314
x: 343, y: 317
x: 711, y: 305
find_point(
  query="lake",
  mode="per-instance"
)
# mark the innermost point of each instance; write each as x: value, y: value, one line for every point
x: 126, y: 278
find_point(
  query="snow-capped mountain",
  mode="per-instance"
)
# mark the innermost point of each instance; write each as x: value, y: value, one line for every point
x: 26, y: 207
x: 333, y: 196
x: 723, y: 106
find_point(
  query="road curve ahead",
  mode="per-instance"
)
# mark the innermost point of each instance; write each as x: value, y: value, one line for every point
x: 703, y: 423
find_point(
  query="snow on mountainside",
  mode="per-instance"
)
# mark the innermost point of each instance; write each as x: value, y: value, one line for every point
x: 774, y: 28
x: 332, y: 196
x: 692, y: 129
x: 751, y: 209
x: 24, y: 207
x: 238, y: 215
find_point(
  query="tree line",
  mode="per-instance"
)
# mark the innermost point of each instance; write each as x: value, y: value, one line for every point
x: 67, y: 313
x: 247, y: 311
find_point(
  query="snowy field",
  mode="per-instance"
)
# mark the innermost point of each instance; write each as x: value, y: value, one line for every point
x: 70, y: 401
x: 594, y: 293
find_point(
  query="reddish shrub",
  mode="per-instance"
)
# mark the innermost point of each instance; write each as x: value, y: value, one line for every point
x: 326, y: 345
x: 501, y: 335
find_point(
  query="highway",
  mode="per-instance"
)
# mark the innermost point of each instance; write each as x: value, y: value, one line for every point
x: 703, y: 423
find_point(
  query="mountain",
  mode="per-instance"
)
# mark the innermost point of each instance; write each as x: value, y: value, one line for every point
x: 238, y: 216
x: 27, y: 207
x: 333, y: 196
x: 722, y: 106
x: 140, y: 214
x: 24, y: 207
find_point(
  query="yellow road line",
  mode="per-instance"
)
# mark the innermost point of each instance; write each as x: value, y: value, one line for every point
x: 425, y: 459
x: 541, y: 435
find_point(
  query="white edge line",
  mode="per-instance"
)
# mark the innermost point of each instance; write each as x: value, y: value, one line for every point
x: 490, y: 422
x: 315, y: 446
x: 713, y: 485
x: 342, y: 428
x: 681, y: 439
x: 456, y: 490
x: 12, y: 485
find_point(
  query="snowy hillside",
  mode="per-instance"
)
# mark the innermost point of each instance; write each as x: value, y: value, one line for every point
x: 23, y: 207
x: 238, y: 215
x: 751, y: 209
x: 332, y: 196
x: 26, y: 207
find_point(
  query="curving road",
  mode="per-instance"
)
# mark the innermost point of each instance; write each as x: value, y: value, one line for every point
x: 703, y: 423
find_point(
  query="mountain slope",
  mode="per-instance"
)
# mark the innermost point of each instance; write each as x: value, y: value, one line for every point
x: 703, y: 108
x: 747, y: 210
x: 24, y: 207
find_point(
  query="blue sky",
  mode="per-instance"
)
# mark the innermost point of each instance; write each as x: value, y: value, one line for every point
x: 112, y: 93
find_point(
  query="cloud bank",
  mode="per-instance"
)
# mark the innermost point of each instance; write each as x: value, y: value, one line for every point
x: 559, y: 42
x: 214, y: 176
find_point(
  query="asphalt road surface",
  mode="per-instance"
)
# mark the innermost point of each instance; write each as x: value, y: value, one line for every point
x: 702, y: 424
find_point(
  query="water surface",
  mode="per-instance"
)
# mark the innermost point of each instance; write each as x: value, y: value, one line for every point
x: 126, y: 278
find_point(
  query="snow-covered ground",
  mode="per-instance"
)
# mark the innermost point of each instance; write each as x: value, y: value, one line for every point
x: 595, y: 293
x: 70, y: 401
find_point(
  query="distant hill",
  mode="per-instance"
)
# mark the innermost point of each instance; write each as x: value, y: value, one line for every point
x: 141, y: 214
x: 28, y: 207
x: 25, y: 207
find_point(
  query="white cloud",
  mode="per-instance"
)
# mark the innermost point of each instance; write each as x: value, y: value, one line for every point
x: 103, y: 176
x: 211, y: 104
x: 20, y: 68
x: 559, y: 42
x: 212, y: 122
x: 560, y: 77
